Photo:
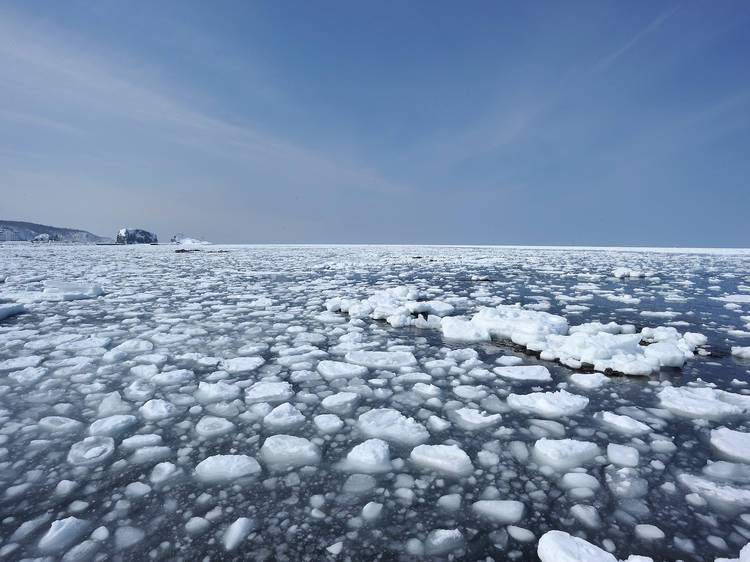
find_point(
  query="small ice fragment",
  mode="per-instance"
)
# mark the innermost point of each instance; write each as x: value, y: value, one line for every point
x: 499, y: 511
x: 446, y: 459
x: 237, y: 532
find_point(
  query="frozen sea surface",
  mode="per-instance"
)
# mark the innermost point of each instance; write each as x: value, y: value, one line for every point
x: 291, y: 403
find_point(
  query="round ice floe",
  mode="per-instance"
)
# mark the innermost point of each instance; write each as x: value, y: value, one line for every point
x: 60, y: 424
x: 328, y: 423
x: 703, y: 402
x: 559, y: 546
x: 283, y: 416
x: 241, y: 364
x: 282, y: 451
x: 371, y: 456
x: 209, y: 427
x: 528, y: 373
x: 224, y: 468
x: 209, y: 393
x: 741, y: 352
x: 563, y: 454
x: 332, y: 370
x: 264, y: 391
x: 549, y: 404
x: 388, y: 360
x: 732, y: 444
x: 158, y: 409
x: 62, y: 534
x: 92, y: 450
x: 499, y: 511
x: 391, y: 425
x: 446, y: 459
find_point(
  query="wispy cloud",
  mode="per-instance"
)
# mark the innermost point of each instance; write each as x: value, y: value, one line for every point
x: 655, y: 24
x: 42, y: 66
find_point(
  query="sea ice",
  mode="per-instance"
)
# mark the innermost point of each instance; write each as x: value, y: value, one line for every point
x: 371, y: 456
x: 283, y: 451
x: 499, y: 511
x: 446, y: 459
x: 732, y: 444
x: 391, y: 425
x: 564, y: 454
x: 549, y: 404
x: 225, y: 468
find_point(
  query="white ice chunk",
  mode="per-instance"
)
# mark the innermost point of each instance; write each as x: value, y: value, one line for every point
x: 732, y: 444
x: 328, y: 423
x: 237, y: 532
x: 62, y: 534
x: 209, y: 393
x: 157, y: 409
x: 209, y: 427
x: 446, y: 459
x: 225, y: 468
x: 549, y: 404
x: 371, y: 456
x: 264, y: 391
x: 559, y: 546
x: 112, y: 425
x: 391, y: 425
x: 563, y: 454
x: 282, y: 451
x: 283, y: 416
x: 388, y: 360
x: 92, y: 450
x: 623, y: 424
x: 499, y: 511
x: 239, y: 365
x: 530, y: 373
x: 331, y: 370
x: 622, y: 455
x: 703, y: 402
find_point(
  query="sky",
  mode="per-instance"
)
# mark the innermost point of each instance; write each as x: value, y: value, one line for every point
x: 552, y: 123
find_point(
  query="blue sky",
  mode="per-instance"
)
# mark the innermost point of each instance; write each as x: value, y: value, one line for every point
x: 624, y: 123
